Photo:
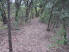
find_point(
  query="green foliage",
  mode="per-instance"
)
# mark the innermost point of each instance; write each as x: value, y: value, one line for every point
x: 2, y: 26
x: 45, y: 16
x: 59, y: 36
x: 22, y: 11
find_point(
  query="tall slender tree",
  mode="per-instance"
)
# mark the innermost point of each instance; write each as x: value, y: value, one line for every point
x: 9, y: 28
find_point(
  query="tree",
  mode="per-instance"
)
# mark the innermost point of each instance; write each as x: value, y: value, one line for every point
x: 51, y: 15
x: 64, y: 24
x: 28, y: 5
x: 9, y: 28
x: 3, y: 13
x: 17, y: 5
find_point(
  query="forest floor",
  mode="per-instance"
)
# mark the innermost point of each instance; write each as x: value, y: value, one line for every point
x: 33, y: 37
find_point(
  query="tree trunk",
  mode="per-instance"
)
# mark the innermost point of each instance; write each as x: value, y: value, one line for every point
x: 64, y: 33
x: 49, y: 22
x: 3, y: 14
x: 27, y: 14
x: 4, y: 18
x: 16, y: 15
x: 48, y: 28
x: 17, y: 5
x: 27, y: 11
x: 36, y: 12
x: 64, y: 25
x: 9, y: 28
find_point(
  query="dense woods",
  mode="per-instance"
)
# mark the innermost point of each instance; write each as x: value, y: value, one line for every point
x: 14, y: 14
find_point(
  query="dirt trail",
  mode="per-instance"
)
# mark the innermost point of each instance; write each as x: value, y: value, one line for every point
x: 32, y: 37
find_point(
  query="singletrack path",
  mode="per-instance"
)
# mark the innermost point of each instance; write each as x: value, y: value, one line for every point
x: 33, y: 37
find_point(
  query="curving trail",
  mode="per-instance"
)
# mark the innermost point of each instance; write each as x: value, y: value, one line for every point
x: 33, y: 37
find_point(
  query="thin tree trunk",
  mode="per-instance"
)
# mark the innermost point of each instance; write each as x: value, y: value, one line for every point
x: 27, y: 11
x: 36, y: 12
x: 16, y: 15
x: 4, y: 18
x: 17, y: 5
x: 3, y: 14
x: 65, y: 34
x: 48, y: 28
x: 27, y: 14
x: 9, y: 28
x: 64, y: 25
x: 54, y: 4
